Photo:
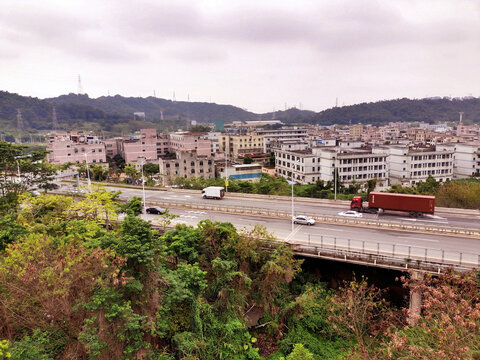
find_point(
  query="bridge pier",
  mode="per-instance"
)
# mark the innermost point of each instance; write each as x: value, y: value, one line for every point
x: 415, y: 304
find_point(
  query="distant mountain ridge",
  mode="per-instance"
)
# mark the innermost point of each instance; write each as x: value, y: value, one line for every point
x: 114, y: 114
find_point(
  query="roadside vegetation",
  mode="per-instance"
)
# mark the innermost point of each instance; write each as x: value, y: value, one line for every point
x: 76, y: 283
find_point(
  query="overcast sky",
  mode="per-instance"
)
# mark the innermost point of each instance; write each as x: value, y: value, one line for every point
x: 259, y: 55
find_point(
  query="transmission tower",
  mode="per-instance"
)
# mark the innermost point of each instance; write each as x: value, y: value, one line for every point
x: 80, y: 89
x: 19, y: 126
x: 461, y: 117
x: 174, y: 99
x: 54, y: 118
x: 19, y: 120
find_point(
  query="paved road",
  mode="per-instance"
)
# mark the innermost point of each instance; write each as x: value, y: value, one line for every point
x: 360, y: 237
x: 300, y: 207
x: 366, y: 238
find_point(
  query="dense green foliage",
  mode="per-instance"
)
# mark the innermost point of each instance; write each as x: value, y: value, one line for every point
x: 71, y: 287
x: 463, y: 194
x: 401, y: 110
x: 269, y: 185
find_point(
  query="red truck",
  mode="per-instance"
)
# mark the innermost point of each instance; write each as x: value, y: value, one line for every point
x: 415, y: 205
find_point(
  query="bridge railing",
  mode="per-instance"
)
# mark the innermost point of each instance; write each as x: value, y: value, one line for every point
x: 387, y: 254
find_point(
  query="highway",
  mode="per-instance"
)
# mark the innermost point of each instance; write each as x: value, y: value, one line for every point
x: 360, y: 237
x: 301, y: 206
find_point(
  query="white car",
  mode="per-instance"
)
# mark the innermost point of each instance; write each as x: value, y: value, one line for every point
x: 350, y: 213
x: 304, y: 220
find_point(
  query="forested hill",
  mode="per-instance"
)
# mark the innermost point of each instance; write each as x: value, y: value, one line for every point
x: 154, y: 107
x: 406, y: 110
x: 114, y: 114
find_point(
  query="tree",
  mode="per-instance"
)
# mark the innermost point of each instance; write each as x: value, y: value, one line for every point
x: 150, y: 169
x: 132, y: 172
x: 449, y: 324
x: 166, y: 218
x: 133, y: 207
x: 355, y: 310
x: 300, y: 353
x: 46, y: 282
x: 34, y: 171
x: 247, y: 160
x: 371, y: 184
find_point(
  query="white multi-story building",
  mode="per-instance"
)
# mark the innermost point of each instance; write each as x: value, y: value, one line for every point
x: 281, y: 135
x: 353, y: 165
x: 466, y: 159
x: 410, y: 166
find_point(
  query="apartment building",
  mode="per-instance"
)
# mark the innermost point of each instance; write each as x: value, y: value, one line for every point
x: 466, y: 159
x: 190, y: 141
x: 409, y: 166
x: 353, y: 165
x: 187, y: 164
x: 299, y: 165
x: 356, y: 131
x: 357, y: 165
x: 235, y: 145
x: 143, y: 146
x: 113, y: 147
x: 75, y: 147
x: 163, y: 145
x: 279, y: 135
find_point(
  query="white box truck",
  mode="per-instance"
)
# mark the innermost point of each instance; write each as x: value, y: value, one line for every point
x: 213, y: 192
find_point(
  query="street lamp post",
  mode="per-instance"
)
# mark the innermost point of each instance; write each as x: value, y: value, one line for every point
x: 226, y: 165
x: 143, y: 189
x: 18, y: 164
x: 293, y: 213
x: 335, y: 178
x: 88, y: 171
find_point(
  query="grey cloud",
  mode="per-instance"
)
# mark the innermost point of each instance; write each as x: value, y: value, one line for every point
x: 339, y: 26
x: 64, y: 33
x: 149, y: 21
x: 199, y: 54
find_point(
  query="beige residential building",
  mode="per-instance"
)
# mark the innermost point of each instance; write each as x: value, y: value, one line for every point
x: 236, y: 145
x: 187, y: 164
x: 356, y: 131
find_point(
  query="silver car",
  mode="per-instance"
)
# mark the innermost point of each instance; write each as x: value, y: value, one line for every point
x: 304, y: 220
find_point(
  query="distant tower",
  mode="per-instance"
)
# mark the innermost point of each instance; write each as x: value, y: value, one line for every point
x: 19, y: 120
x: 336, y: 102
x: 188, y: 97
x: 54, y: 118
x: 461, y: 116
x: 161, y: 114
x: 174, y: 98
x: 19, y: 126
x: 80, y: 89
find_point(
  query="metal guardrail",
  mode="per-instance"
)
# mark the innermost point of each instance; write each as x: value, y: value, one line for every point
x: 399, y: 225
x: 386, y: 255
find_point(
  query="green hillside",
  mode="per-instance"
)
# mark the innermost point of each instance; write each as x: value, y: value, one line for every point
x: 114, y: 114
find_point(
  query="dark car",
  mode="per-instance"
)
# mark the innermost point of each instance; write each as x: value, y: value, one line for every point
x: 155, y: 210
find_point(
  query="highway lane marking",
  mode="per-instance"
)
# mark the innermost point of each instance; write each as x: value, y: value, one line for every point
x: 433, y: 221
x: 416, y: 239
x: 323, y: 228
x: 250, y: 220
